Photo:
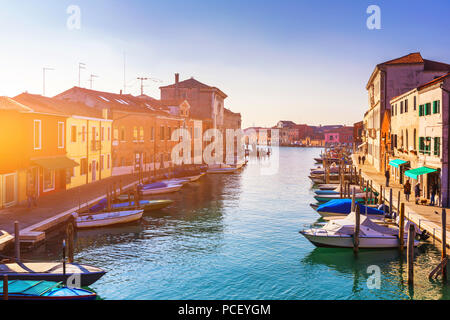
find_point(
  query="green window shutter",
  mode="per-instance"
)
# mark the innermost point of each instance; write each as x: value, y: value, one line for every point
x: 421, y: 110
x: 421, y: 144
x: 428, y: 108
x: 434, y: 107
x: 437, y: 146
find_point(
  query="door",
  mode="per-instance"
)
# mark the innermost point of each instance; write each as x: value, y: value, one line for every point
x: 94, y: 170
x: 10, y: 189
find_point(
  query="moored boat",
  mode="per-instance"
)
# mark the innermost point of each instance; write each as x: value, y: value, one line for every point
x: 342, y: 207
x: 168, y: 188
x: 44, y: 290
x: 339, y: 233
x: 51, y: 271
x: 108, y: 218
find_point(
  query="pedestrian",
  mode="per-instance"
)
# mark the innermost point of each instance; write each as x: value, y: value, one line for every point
x: 417, y: 192
x: 31, y: 196
x: 387, y: 175
x: 407, y: 190
x: 363, y: 159
x: 434, y: 190
x: 359, y: 159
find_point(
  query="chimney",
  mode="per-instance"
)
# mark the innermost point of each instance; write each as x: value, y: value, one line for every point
x: 177, y: 78
x: 121, y: 92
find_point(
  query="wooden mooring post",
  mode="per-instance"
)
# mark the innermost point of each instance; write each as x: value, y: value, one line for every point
x: 398, y: 201
x: 17, y: 240
x: 444, y: 244
x: 410, y: 255
x: 356, y: 233
x: 5, y: 287
x: 390, y: 202
x: 401, y: 227
x: 353, y: 200
x: 380, y: 195
x: 70, y: 242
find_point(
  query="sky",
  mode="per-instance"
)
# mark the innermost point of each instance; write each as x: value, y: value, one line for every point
x: 305, y: 61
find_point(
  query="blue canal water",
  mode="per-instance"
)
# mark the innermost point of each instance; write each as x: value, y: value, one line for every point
x: 236, y: 237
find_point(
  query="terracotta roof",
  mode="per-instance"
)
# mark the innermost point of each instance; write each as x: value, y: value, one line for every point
x: 411, y: 58
x: 56, y: 106
x: 189, y: 83
x: 11, y: 105
x: 437, y: 80
x: 113, y: 101
x: 193, y: 84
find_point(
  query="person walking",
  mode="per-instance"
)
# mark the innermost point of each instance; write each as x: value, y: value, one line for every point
x: 434, y: 189
x: 387, y: 175
x: 363, y: 159
x: 417, y: 192
x: 407, y: 190
x: 359, y: 159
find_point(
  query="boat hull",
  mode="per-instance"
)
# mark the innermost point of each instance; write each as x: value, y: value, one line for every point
x: 345, y: 241
x: 169, y: 189
x: 86, y: 223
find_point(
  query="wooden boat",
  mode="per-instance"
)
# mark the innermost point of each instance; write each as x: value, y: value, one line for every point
x: 147, y: 205
x: 338, y: 233
x: 5, y: 239
x: 221, y: 168
x: 51, y: 271
x: 108, y: 218
x: 167, y: 189
x: 324, y: 198
x: 181, y: 181
x: 44, y: 290
x: 195, y: 178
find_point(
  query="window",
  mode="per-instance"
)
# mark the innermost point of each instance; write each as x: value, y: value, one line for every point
x: 401, y: 107
x: 436, y: 106
x: 102, y: 162
x: 122, y: 134
x: 152, y: 133
x: 108, y: 159
x: 135, y: 133
x: 83, y: 166
x: 116, y: 134
x: 415, y: 103
x: 73, y: 134
x: 437, y: 146
x: 60, y: 135
x: 161, y: 134
x: 169, y: 133
x: 415, y: 138
x: 141, y: 133
x: 37, y: 135
x: 49, y: 180
x: 102, y: 133
x: 425, y: 145
x: 109, y: 133
x: 421, y: 109
x: 83, y: 134
x: 406, y: 105
x: 428, y: 109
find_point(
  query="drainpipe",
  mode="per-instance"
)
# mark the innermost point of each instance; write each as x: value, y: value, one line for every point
x: 446, y: 123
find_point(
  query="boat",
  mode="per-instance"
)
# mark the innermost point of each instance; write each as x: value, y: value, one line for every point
x: 108, y: 218
x: 342, y: 207
x: 181, y: 181
x: 44, y: 290
x: 221, y: 169
x: 167, y: 188
x: 359, y: 197
x: 147, y: 205
x: 5, y: 239
x: 51, y: 271
x: 195, y: 178
x: 335, y: 191
x: 339, y: 233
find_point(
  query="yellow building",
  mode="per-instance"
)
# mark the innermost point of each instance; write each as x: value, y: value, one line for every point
x: 89, y: 144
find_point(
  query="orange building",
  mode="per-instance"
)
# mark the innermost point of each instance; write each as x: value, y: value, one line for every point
x: 33, y: 154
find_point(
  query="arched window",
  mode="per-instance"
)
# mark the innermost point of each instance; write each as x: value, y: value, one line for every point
x: 414, y: 139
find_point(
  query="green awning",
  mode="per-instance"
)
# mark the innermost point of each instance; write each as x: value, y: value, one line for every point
x: 415, y: 173
x: 55, y: 163
x: 397, y: 162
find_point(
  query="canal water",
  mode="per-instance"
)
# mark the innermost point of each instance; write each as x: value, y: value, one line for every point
x: 236, y: 237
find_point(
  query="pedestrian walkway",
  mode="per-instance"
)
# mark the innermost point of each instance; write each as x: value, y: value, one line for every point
x: 59, y: 204
x: 427, y: 217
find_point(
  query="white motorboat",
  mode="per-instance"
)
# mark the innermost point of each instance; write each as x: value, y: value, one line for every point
x: 195, y: 178
x: 169, y: 188
x: 221, y: 168
x: 104, y: 219
x: 339, y: 233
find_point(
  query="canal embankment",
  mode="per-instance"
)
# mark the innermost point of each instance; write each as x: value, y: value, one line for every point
x: 55, y: 210
x: 426, y: 217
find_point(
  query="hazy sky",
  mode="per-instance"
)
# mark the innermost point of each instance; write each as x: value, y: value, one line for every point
x: 306, y: 61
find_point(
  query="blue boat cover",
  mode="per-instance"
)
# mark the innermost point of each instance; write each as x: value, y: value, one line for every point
x: 343, y: 206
